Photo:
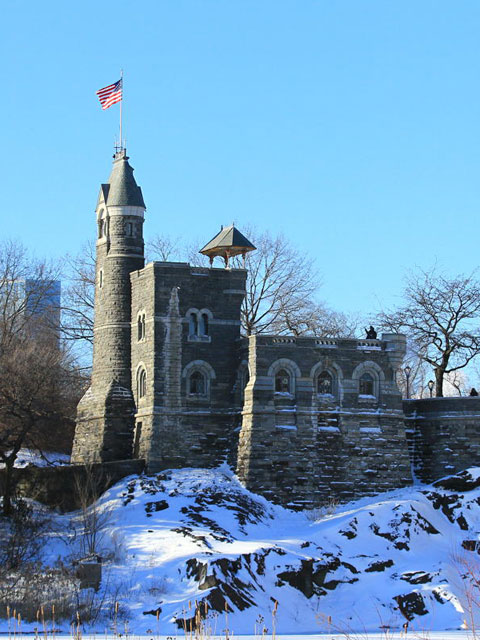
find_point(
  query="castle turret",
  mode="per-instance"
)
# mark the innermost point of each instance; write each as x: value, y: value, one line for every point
x: 105, y: 417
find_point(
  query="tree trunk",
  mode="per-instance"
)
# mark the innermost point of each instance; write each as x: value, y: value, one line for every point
x: 439, y: 374
x: 8, y: 488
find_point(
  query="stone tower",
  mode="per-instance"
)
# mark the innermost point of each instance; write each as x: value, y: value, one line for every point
x: 105, y: 415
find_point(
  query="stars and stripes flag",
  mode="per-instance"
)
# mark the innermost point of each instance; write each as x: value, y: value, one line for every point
x: 111, y: 94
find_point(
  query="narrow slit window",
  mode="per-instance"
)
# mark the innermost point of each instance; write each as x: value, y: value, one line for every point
x: 204, y: 325
x: 193, y: 324
x: 141, y: 327
x: 142, y: 383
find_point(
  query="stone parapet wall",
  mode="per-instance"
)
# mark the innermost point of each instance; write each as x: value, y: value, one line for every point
x: 57, y: 487
x: 443, y: 435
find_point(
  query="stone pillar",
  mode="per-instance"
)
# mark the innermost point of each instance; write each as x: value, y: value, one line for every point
x: 167, y: 445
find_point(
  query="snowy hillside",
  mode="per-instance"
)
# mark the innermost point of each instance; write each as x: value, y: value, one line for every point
x: 196, y: 535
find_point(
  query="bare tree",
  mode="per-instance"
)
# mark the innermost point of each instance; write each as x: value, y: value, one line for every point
x: 38, y: 396
x: 92, y: 517
x: 78, y: 300
x: 282, y: 284
x: 37, y: 389
x: 165, y: 248
x: 308, y: 318
x: 278, y: 277
x: 439, y: 316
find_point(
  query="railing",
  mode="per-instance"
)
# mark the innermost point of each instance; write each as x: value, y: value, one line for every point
x: 369, y: 344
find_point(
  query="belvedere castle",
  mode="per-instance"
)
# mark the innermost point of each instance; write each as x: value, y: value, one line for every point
x: 174, y: 382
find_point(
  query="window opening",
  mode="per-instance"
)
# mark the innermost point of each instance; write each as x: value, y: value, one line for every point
x: 197, y: 384
x: 142, y: 383
x: 193, y: 324
x: 282, y: 381
x: 141, y: 327
x: 101, y: 227
x: 366, y: 387
x: 325, y: 383
x: 100, y: 278
x: 204, y: 324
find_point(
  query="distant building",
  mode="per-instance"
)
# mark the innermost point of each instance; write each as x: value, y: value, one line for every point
x: 36, y: 298
x: 43, y: 300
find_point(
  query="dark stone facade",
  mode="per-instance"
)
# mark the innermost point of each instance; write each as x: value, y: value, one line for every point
x: 178, y: 425
x: 175, y: 384
x: 305, y: 446
x: 443, y: 435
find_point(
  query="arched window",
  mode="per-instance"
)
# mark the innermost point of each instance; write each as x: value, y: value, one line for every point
x: 101, y: 228
x: 282, y: 381
x: 197, y: 384
x: 204, y: 324
x: 193, y: 324
x: 100, y: 278
x: 366, y: 385
x: 142, y: 383
x: 325, y: 383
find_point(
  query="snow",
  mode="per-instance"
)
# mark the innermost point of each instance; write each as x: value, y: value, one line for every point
x: 49, y: 458
x: 174, y: 530
x: 370, y: 430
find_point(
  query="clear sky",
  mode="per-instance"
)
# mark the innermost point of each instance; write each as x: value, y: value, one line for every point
x: 352, y: 126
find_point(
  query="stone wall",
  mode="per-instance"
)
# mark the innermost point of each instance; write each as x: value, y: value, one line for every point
x: 301, y: 447
x: 179, y: 427
x: 443, y: 435
x: 57, y: 486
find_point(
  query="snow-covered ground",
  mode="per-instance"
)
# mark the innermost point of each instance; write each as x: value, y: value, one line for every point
x: 196, y: 537
x: 49, y: 458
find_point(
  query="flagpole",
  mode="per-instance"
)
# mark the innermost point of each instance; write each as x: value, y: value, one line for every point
x: 121, y: 102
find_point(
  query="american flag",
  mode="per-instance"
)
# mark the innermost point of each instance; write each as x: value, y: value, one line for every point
x: 111, y: 94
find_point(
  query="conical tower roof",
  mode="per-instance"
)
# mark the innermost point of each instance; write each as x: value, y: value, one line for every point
x: 227, y: 243
x: 121, y: 189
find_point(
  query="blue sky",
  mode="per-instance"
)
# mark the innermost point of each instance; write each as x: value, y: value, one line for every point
x: 350, y: 126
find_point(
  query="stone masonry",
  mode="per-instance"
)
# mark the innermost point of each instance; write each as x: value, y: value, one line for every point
x: 302, y: 419
x: 105, y: 415
x: 443, y: 435
x: 307, y: 445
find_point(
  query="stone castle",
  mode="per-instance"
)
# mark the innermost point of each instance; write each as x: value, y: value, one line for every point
x: 174, y: 382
